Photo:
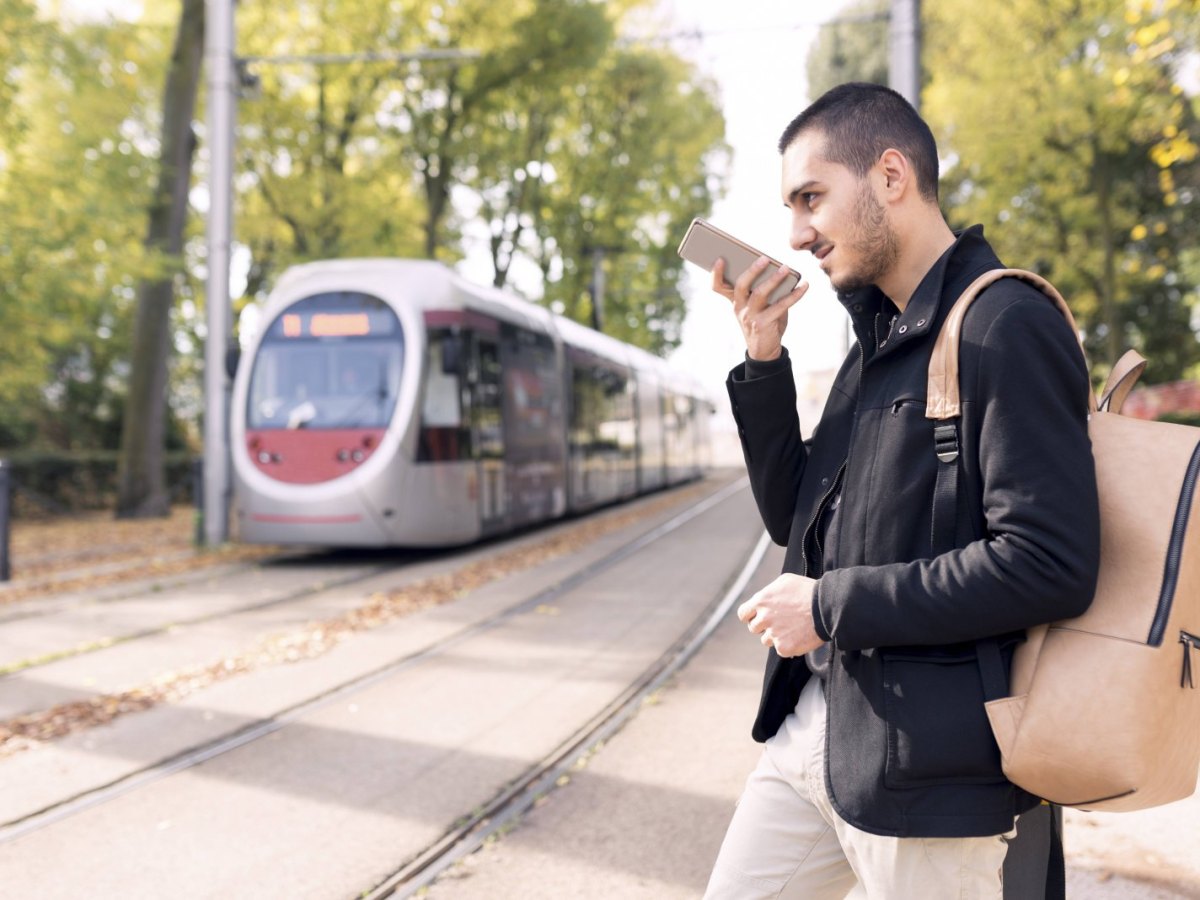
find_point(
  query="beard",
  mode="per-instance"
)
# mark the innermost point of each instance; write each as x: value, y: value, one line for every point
x: 873, y: 242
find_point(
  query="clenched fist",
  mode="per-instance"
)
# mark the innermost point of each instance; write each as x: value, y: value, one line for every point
x: 781, y: 614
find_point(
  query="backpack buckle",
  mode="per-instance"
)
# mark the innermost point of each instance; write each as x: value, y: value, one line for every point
x: 945, y: 443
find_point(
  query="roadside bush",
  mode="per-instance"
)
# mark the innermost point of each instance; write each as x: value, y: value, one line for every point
x: 1182, y: 417
x: 57, y: 483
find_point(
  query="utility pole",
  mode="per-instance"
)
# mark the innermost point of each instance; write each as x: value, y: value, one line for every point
x: 598, y: 288
x: 904, y: 58
x: 219, y: 60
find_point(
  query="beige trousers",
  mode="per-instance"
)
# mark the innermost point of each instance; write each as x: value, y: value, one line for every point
x: 786, y: 840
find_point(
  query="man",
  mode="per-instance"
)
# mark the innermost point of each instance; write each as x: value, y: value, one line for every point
x: 879, y: 764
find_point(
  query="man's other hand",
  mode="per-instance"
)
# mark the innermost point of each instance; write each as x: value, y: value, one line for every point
x: 781, y: 615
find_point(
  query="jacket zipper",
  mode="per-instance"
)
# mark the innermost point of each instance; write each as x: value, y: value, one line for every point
x: 808, y: 564
x: 1190, y: 642
x: 1166, y: 596
x: 823, y: 506
x: 900, y: 404
x: 816, y: 517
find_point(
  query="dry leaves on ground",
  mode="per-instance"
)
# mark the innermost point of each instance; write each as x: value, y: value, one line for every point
x: 319, y: 637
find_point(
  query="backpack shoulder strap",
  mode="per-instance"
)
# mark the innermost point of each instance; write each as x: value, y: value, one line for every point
x: 943, y: 400
x: 1121, y: 379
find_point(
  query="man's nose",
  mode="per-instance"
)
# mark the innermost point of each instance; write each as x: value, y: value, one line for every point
x: 803, y: 235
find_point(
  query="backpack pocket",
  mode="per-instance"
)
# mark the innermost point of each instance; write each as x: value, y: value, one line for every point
x: 937, y: 728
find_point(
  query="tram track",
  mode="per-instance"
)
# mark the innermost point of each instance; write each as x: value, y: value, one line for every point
x: 132, y: 692
x: 471, y: 830
x: 66, y: 807
x: 139, y: 585
x: 108, y: 576
x: 104, y: 642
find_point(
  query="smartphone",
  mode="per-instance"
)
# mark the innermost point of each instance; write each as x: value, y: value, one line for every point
x: 704, y: 244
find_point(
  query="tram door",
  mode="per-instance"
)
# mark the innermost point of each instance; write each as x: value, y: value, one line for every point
x: 487, y: 409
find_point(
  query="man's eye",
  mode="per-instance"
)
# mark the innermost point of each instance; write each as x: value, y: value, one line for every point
x: 809, y: 199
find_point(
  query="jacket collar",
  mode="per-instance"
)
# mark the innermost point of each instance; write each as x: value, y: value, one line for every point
x: 968, y: 257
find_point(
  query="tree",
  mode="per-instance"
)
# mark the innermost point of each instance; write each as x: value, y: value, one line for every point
x: 642, y: 154
x: 1074, y: 136
x: 22, y: 41
x: 317, y: 176
x: 551, y: 110
x: 141, y: 481
x: 853, y: 47
x: 100, y: 267
x: 74, y: 152
x: 445, y: 116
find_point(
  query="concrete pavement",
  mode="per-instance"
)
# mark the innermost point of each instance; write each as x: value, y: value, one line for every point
x: 644, y: 818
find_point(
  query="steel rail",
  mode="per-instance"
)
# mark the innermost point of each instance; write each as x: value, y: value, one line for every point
x: 82, y: 648
x: 517, y: 798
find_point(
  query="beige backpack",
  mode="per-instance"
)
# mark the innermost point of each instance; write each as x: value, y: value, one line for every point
x: 1104, y: 711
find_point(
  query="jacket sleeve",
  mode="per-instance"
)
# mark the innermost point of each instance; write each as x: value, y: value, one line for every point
x: 764, y: 407
x: 1039, y: 558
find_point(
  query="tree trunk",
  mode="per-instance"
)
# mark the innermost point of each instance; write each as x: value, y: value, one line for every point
x: 1109, y: 313
x: 141, y: 476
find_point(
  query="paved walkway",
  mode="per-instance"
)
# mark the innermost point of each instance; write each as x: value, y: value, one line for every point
x: 643, y: 819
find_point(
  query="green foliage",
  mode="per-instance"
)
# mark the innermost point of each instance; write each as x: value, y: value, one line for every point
x: 854, y: 47
x: 75, y: 171
x: 1072, y: 140
x: 1182, y: 418
x: 565, y: 140
x: 56, y: 482
x: 632, y: 165
x: 317, y: 174
x: 556, y: 135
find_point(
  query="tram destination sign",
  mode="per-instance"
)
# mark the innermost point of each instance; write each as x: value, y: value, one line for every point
x: 325, y: 324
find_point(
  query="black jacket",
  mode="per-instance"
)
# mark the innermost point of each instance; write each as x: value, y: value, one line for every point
x: 909, y: 751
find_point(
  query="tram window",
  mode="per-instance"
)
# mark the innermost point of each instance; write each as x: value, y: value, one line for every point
x: 532, y: 391
x: 443, y: 436
x: 329, y: 361
x: 488, y: 406
x: 602, y: 411
x: 441, y: 406
x: 306, y: 373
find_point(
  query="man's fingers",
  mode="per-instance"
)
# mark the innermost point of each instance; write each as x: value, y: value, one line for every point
x: 747, y: 610
x: 786, y: 303
x: 750, y: 613
x: 747, y: 278
x: 718, y: 280
x: 774, y: 280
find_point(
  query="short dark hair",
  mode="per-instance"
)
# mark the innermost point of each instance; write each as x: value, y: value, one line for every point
x: 859, y: 121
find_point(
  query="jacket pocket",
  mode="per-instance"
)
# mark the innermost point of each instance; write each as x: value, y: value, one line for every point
x: 937, y: 729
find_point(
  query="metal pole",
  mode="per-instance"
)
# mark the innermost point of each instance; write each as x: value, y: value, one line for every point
x: 198, y: 500
x: 598, y: 289
x: 218, y: 51
x: 904, y: 59
x: 5, y: 510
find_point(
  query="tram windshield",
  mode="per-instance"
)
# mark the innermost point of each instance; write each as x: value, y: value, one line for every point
x: 328, y: 361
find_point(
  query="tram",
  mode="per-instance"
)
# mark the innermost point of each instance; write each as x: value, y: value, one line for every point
x: 392, y: 402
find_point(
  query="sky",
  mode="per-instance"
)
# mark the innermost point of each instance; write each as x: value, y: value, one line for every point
x: 756, y: 51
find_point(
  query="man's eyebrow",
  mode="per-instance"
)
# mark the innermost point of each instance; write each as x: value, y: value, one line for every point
x: 796, y: 192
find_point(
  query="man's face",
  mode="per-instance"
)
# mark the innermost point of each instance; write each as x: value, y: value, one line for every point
x: 836, y: 216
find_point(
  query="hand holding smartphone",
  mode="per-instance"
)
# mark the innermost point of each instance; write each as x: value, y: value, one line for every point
x: 704, y: 244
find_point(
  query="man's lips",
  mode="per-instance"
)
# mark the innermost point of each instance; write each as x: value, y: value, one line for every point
x: 823, y: 251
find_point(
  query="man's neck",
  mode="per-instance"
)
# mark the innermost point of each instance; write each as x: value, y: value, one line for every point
x: 923, y: 243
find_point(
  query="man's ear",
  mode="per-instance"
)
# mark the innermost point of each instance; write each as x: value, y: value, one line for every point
x: 896, y: 171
